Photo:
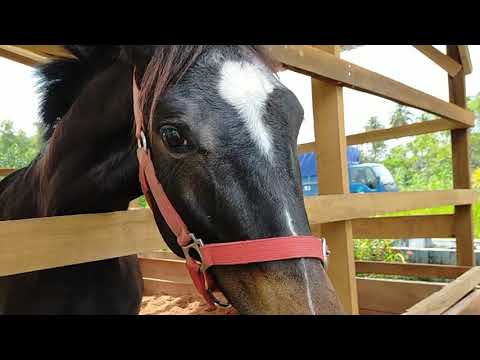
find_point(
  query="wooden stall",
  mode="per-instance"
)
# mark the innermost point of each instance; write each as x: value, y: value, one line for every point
x: 349, y: 216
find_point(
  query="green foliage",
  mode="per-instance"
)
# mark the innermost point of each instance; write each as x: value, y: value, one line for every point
x: 17, y: 149
x: 401, y: 116
x: 376, y: 250
x: 377, y: 150
x: 422, y: 164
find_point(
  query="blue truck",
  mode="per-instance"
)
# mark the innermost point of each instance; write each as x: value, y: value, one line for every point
x: 363, y: 178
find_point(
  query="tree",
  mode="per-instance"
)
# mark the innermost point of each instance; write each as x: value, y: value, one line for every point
x: 17, y: 149
x: 401, y: 116
x: 377, y: 150
x: 473, y: 104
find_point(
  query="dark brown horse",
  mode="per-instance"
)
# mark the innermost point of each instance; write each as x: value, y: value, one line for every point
x: 222, y: 130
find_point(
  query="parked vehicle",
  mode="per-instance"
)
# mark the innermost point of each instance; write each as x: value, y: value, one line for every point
x: 363, y: 178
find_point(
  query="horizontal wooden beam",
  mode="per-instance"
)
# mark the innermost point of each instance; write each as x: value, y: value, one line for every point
x: 164, y: 269
x: 35, y: 244
x: 25, y: 58
x: 59, y: 241
x: 48, y: 51
x: 331, y: 208
x: 469, y: 305
x: 319, y: 64
x: 445, y: 62
x: 420, y: 270
x: 448, y: 296
x: 393, y: 296
x: 5, y: 171
x: 408, y: 227
x: 33, y: 55
x: 424, y: 127
x: 465, y: 59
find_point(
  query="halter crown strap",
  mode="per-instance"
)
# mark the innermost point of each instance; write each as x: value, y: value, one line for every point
x: 148, y: 179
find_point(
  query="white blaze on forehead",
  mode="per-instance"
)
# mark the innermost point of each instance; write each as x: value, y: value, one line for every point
x: 246, y: 87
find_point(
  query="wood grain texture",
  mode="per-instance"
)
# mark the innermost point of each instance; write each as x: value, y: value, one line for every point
x: 393, y: 296
x: 332, y: 170
x: 320, y: 64
x: 445, y: 62
x: 448, y: 296
x: 407, y: 227
x: 35, y: 244
x: 461, y: 168
x: 420, y: 270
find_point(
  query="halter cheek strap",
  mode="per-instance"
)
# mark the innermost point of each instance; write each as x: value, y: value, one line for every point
x: 231, y: 253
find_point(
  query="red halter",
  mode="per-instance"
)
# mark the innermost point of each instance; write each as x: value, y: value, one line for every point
x: 231, y: 253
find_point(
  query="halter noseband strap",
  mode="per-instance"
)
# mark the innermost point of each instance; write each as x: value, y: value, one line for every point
x: 231, y: 253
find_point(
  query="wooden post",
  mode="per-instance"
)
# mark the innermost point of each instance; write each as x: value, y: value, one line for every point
x: 332, y: 171
x: 461, y: 168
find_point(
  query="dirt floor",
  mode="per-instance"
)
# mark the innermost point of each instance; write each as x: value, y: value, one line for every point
x: 179, y: 305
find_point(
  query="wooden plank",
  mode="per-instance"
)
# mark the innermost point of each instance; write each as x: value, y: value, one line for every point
x: 152, y: 287
x: 409, y: 227
x: 331, y: 208
x: 320, y: 64
x: 17, y: 58
x: 448, y: 296
x: 67, y: 240
x: 159, y: 255
x: 33, y: 55
x: 421, y: 270
x: 461, y: 168
x: 170, y: 270
x: 469, y: 305
x: 5, y: 171
x: 464, y: 57
x: 59, y: 241
x: 49, y: 51
x: 393, y: 296
x: 373, y: 312
x: 333, y: 179
x: 445, y: 62
x: 424, y: 127
x: 23, y: 56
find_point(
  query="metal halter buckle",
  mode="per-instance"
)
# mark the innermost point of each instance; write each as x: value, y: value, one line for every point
x: 196, y: 244
x: 142, y: 141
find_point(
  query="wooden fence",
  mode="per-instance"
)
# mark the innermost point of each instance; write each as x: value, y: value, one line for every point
x: 34, y: 244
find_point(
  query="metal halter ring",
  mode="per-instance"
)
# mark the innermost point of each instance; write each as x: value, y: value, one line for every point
x: 196, y: 244
x: 326, y: 253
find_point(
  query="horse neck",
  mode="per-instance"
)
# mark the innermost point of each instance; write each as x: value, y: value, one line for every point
x: 89, y: 163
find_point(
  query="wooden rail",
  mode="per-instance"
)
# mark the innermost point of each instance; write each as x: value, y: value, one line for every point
x: 59, y: 241
x: 424, y: 127
x: 319, y: 64
x: 5, y: 171
x: 35, y: 244
x: 445, y: 298
x: 445, y: 62
x: 331, y: 208
x: 419, y: 270
x: 407, y: 227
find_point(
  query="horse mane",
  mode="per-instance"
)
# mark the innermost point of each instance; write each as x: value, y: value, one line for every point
x: 61, y: 81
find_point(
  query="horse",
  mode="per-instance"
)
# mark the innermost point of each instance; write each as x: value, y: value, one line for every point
x: 223, y: 134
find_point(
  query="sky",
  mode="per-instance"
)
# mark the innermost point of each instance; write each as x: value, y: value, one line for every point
x: 19, y: 100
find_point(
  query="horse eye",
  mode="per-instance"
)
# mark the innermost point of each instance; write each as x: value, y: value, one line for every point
x: 174, y: 140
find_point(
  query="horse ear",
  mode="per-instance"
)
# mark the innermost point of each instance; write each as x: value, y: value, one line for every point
x: 139, y: 56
